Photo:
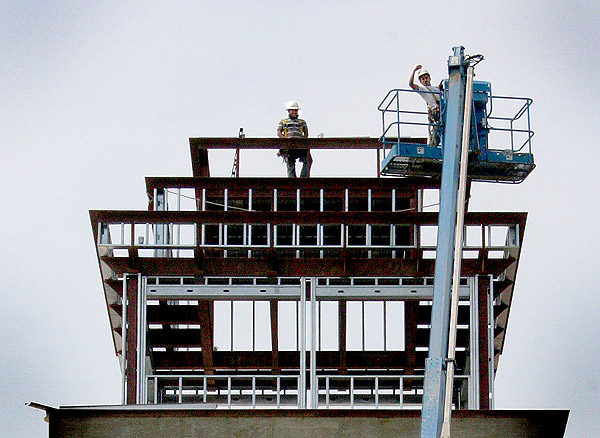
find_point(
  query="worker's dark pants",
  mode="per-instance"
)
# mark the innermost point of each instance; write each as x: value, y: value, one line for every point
x: 305, y: 159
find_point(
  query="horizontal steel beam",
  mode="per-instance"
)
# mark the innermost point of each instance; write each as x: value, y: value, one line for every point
x: 284, y: 267
x: 308, y: 186
x: 288, y: 143
x: 297, y: 217
x: 251, y: 292
x: 288, y: 360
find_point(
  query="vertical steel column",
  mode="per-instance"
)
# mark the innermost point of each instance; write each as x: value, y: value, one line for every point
x: 490, y: 334
x: 385, y: 325
x: 138, y: 360
x: 274, y: 311
x: 297, y: 227
x: 368, y: 226
x: 253, y: 325
x: 124, y: 340
x: 302, y: 346
x: 231, y: 325
x: 482, y: 347
x: 203, y: 226
x: 131, y: 319
x: 178, y: 226
x: 320, y: 228
x: 225, y: 227
x: 342, y: 340
x: 141, y: 350
x: 160, y: 230
x: 411, y: 319
x: 474, y: 343
x: 314, y: 389
x: 249, y: 242
x: 435, y: 366
x: 274, y: 242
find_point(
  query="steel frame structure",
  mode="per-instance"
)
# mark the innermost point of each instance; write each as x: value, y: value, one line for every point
x: 313, y: 243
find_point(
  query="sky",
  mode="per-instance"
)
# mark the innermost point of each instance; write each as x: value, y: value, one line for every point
x: 97, y: 95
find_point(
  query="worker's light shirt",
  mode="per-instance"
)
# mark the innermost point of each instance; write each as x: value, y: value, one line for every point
x: 430, y: 94
x: 293, y: 127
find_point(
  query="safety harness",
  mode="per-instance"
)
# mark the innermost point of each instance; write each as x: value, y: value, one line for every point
x: 300, y: 123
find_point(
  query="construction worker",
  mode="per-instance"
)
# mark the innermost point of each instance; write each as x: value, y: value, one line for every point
x: 294, y: 127
x: 431, y: 94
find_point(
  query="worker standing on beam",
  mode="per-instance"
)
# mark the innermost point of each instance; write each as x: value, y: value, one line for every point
x: 294, y: 127
x: 431, y: 94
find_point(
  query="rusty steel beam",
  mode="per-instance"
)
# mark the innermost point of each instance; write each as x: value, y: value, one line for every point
x: 298, y: 217
x: 199, y: 146
x: 384, y: 361
x: 288, y: 360
x: 411, y: 313
x: 206, y: 334
x: 292, y: 143
x: 288, y: 143
x: 275, y: 217
x: 424, y: 315
x: 402, y: 185
x: 484, y: 358
x: 191, y: 337
x: 284, y: 267
x: 274, y: 307
x: 131, y: 339
x: 342, y: 321
x: 172, y: 315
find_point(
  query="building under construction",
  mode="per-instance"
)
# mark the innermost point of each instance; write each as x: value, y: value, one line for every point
x: 245, y: 306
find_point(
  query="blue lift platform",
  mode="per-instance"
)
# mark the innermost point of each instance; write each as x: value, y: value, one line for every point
x: 510, y: 161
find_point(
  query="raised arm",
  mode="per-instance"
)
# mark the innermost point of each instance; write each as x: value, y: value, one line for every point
x: 411, y: 80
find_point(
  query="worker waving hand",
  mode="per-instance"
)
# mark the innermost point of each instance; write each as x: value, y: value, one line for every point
x: 431, y: 94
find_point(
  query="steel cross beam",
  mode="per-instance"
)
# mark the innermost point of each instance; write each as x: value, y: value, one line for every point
x: 432, y: 415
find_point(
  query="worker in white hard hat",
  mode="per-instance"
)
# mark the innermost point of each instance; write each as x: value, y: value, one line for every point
x: 431, y: 94
x: 294, y: 127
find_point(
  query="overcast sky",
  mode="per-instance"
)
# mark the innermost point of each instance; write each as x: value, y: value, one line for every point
x: 97, y: 95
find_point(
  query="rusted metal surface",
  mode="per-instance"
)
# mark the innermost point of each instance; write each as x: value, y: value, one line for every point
x: 411, y: 313
x: 205, y: 335
x: 194, y: 337
x: 386, y: 362
x: 285, y: 143
x: 132, y: 332
x: 272, y: 261
x: 484, y: 357
x: 297, y: 217
x: 263, y: 187
x: 314, y: 183
x: 199, y: 146
x: 347, y: 262
x: 276, y: 262
x: 342, y: 315
x: 273, y: 313
x: 286, y: 267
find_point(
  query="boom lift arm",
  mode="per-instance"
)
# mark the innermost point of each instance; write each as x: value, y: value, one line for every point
x: 439, y: 375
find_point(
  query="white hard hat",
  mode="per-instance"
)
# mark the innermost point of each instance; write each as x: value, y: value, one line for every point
x: 423, y: 72
x: 292, y: 104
